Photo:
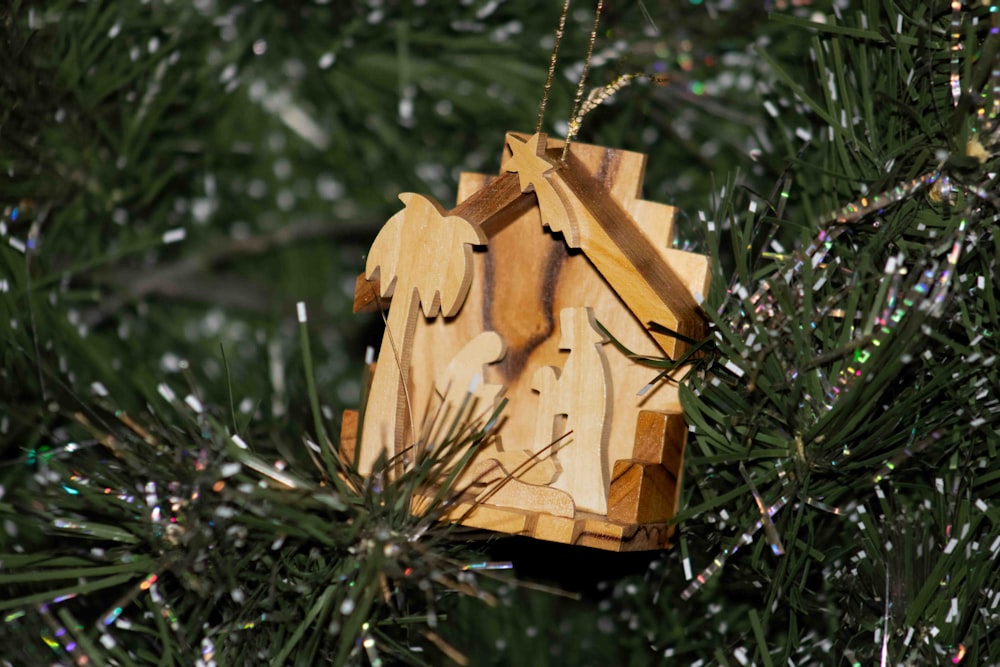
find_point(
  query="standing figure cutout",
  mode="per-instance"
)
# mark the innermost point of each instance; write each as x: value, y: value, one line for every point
x: 580, y: 395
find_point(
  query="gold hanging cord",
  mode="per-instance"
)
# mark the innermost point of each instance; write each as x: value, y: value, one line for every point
x: 574, y: 123
x: 552, y: 66
x: 576, y: 116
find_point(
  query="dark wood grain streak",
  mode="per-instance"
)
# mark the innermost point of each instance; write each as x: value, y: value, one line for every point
x: 633, y: 245
x: 519, y: 351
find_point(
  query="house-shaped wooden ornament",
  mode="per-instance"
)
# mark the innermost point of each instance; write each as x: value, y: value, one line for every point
x: 502, y: 296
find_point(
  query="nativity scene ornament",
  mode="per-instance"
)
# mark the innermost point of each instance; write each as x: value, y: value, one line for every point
x: 508, y: 296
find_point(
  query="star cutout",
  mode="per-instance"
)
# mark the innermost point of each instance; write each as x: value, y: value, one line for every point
x: 532, y: 167
x: 528, y: 161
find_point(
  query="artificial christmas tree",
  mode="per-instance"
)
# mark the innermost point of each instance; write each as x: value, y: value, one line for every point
x: 175, y: 177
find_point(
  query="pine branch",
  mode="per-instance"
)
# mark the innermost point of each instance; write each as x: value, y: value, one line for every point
x: 195, y: 276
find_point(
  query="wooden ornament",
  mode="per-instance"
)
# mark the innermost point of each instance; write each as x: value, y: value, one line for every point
x: 516, y: 285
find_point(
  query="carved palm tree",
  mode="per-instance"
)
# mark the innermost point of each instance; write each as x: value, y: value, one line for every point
x: 422, y: 259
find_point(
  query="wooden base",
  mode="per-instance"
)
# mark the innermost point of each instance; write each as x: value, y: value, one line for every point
x: 584, y: 529
x: 642, y: 492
